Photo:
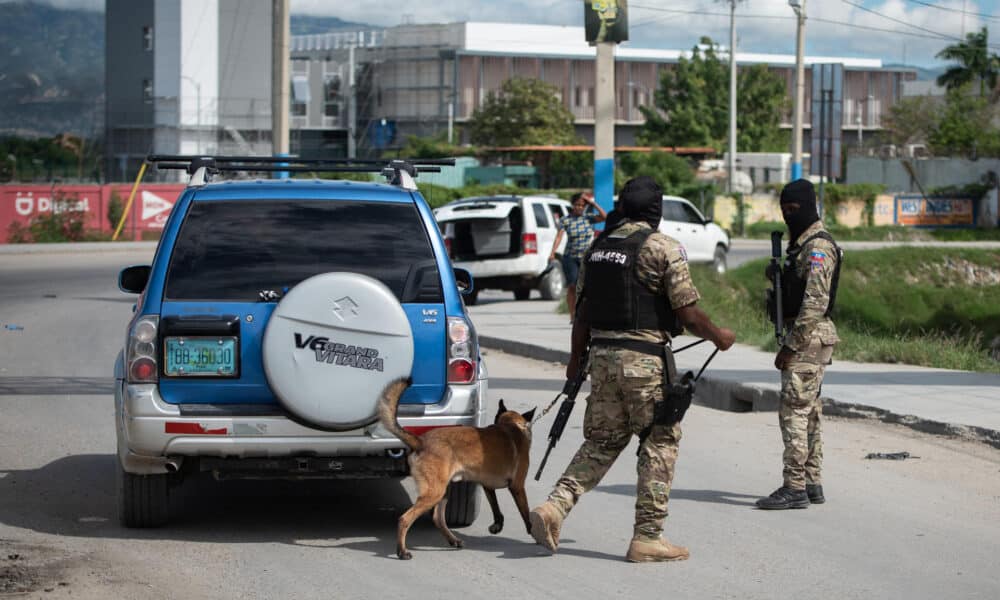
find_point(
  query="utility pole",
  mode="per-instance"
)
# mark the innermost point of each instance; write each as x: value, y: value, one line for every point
x: 799, y: 6
x: 279, y: 77
x: 604, y: 125
x: 732, y: 94
x: 352, y: 107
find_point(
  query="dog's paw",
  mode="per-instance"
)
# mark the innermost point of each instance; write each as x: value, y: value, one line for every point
x: 496, y: 527
x: 457, y: 543
x: 404, y: 554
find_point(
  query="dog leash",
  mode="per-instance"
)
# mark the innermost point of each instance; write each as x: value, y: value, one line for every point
x: 681, y: 349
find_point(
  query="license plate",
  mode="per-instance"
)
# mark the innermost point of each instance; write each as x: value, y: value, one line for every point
x: 200, y: 356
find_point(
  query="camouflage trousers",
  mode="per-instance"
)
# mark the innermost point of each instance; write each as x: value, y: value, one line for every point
x: 624, y: 386
x: 800, y: 415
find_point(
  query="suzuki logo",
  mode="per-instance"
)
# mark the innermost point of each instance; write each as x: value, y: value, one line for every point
x: 345, y: 308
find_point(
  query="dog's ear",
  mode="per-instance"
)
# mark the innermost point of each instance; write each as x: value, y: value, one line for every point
x: 503, y: 408
x: 529, y: 415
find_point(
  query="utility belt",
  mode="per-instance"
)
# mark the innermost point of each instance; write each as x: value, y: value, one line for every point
x: 677, y: 395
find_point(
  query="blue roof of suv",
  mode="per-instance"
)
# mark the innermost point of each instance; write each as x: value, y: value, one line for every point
x: 270, y: 189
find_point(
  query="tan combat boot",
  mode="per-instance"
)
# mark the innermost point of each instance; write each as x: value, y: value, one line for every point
x: 655, y: 551
x: 546, y: 521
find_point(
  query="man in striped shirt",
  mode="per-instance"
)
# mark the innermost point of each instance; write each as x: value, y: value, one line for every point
x: 578, y: 227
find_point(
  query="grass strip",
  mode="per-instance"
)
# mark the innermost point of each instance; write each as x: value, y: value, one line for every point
x: 933, y: 307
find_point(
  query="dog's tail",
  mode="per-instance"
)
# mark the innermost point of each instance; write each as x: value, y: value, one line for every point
x: 388, y: 402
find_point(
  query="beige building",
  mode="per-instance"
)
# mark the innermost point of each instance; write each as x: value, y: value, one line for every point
x: 423, y: 79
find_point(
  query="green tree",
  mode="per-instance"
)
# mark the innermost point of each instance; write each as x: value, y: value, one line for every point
x: 525, y: 112
x: 761, y: 100
x: 975, y: 63
x: 674, y: 174
x: 964, y: 126
x: 911, y: 120
x: 691, y: 106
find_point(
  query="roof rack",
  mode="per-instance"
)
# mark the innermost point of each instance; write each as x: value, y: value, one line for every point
x: 201, y: 167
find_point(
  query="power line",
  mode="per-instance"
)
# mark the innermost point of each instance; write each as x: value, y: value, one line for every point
x: 931, y: 35
x: 957, y: 10
x: 900, y: 21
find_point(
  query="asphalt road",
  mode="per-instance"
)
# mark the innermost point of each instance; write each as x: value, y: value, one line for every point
x: 921, y: 528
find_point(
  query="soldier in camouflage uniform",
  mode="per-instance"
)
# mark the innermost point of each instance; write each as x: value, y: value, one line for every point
x: 653, y: 291
x: 809, y: 280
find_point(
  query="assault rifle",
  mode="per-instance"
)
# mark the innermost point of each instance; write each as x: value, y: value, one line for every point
x: 774, y: 295
x: 570, y: 390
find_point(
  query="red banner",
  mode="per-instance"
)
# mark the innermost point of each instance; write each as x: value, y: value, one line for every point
x: 150, y: 208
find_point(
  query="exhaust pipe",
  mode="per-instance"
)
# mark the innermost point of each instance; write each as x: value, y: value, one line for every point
x: 172, y: 465
x: 396, y: 453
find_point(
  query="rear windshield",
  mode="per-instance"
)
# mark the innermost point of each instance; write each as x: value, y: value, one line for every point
x: 233, y: 250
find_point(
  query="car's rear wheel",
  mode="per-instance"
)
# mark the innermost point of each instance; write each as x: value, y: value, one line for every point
x: 522, y: 293
x: 143, y: 500
x: 719, y: 259
x: 553, y: 284
x: 463, y: 503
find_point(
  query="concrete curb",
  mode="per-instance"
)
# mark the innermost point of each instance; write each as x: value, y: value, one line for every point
x: 740, y: 397
x: 76, y: 247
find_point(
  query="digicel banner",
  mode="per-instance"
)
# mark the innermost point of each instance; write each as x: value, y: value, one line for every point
x: 150, y: 209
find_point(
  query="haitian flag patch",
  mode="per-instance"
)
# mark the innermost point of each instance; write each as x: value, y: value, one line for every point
x: 816, y: 260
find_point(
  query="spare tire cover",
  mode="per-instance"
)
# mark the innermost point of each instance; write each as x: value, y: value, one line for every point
x: 331, y: 346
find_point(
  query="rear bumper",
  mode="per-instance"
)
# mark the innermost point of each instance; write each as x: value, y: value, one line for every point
x: 154, y: 437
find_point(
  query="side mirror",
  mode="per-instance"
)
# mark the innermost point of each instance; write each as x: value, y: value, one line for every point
x: 464, y: 281
x: 708, y: 220
x: 132, y: 280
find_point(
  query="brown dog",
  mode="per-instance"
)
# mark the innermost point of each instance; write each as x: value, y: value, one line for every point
x: 494, y: 456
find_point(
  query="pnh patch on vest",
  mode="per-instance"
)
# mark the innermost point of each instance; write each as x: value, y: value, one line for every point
x: 816, y: 260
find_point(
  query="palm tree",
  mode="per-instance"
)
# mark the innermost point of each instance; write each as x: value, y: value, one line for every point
x: 974, y: 62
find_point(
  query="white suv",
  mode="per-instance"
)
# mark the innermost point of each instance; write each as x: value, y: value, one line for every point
x: 505, y: 242
x: 703, y: 240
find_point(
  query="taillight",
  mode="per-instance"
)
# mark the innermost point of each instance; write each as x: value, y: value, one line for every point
x: 447, y: 247
x: 462, y: 351
x: 141, y: 357
x: 461, y: 370
x: 529, y: 243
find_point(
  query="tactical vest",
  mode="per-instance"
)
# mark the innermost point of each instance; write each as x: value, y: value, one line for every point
x: 794, y: 287
x: 616, y: 299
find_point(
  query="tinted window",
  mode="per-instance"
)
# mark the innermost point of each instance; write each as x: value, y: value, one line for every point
x: 541, y: 215
x: 690, y: 215
x: 231, y: 250
x: 672, y: 211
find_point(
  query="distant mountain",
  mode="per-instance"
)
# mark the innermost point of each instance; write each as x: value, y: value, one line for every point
x: 308, y: 24
x: 51, y: 70
x: 52, y: 67
x: 923, y: 73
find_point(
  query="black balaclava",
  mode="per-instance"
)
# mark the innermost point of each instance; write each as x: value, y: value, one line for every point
x: 801, y: 192
x: 641, y: 199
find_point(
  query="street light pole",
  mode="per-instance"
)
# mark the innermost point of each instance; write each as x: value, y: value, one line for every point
x: 799, y: 6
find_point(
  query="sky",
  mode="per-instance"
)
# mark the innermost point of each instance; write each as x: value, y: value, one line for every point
x: 833, y: 28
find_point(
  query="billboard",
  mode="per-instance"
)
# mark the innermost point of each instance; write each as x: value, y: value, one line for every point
x: 937, y: 212
x: 827, y: 116
x: 20, y: 204
x: 605, y: 21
